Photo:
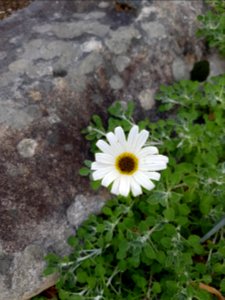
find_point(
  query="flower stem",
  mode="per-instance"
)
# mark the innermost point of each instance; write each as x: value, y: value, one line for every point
x: 90, y: 128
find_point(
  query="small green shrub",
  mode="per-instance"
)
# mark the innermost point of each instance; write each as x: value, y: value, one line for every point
x: 213, y: 25
x: 149, y: 247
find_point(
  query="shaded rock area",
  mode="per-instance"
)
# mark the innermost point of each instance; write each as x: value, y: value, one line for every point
x: 8, y: 6
x: 62, y: 61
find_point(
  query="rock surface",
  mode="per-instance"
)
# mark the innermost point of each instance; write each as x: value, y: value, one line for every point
x: 62, y: 61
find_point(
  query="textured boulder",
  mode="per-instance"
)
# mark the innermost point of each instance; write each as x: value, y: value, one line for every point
x: 62, y: 61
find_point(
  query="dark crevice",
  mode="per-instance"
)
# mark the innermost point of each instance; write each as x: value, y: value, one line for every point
x: 59, y: 73
x: 200, y: 71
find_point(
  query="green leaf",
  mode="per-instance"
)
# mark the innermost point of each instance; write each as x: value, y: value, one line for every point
x: 52, y: 258
x: 81, y: 276
x: 205, y: 204
x: 194, y: 240
x: 88, y: 163
x: 50, y: 270
x: 73, y: 241
x: 149, y: 251
x: 107, y: 211
x: 207, y: 279
x: 140, y: 281
x: 222, y: 285
x: 156, y: 288
x: 98, y: 121
x: 134, y: 261
x: 122, y: 251
x: 84, y: 171
x: 95, y: 184
x: 64, y: 295
x: 184, y: 209
x: 130, y: 109
x: 116, y: 109
x: 169, y: 214
x: 100, y: 270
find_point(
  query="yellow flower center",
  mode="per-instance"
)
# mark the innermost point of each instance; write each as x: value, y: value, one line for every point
x: 126, y: 163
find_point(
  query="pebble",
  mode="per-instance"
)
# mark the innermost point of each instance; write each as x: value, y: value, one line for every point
x: 146, y: 98
x: 103, y: 4
x: 122, y: 62
x: 180, y: 70
x: 116, y: 82
x: 92, y: 45
x: 27, y: 147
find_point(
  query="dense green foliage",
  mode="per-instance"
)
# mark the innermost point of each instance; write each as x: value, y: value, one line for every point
x: 149, y: 247
x: 213, y: 25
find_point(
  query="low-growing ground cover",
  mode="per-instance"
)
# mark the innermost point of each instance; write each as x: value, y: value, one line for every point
x: 149, y: 247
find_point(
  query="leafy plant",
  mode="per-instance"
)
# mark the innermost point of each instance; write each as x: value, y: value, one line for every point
x: 149, y: 247
x: 213, y: 25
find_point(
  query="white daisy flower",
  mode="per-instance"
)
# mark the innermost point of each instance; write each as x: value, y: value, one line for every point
x: 126, y: 163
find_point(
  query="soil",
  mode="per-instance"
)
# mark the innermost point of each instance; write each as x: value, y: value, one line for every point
x: 8, y: 6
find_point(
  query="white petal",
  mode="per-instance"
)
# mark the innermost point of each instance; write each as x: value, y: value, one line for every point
x: 104, y: 158
x: 143, y: 180
x: 95, y: 165
x: 112, y: 138
x: 148, y: 151
x: 115, y: 186
x: 116, y: 147
x: 104, y: 147
x: 124, y: 187
x: 155, y: 159
x: 132, y: 137
x: 119, y: 133
x: 110, y: 177
x: 153, y: 175
x: 101, y: 173
x: 135, y: 187
x: 141, y: 140
x: 152, y: 167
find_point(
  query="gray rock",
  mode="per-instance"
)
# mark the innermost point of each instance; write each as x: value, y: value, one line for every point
x: 116, y: 82
x: 154, y: 30
x: 68, y: 148
x: 19, y: 66
x: 95, y: 15
x: 91, y: 45
x: 36, y: 49
x: 90, y: 63
x: 120, y: 39
x: 69, y: 30
x: 54, y: 118
x: 217, y: 64
x: 146, y: 12
x: 122, y: 62
x: 24, y: 263
x: 5, y: 263
x: 14, y: 170
x: 180, y: 69
x: 103, y: 4
x: 82, y: 207
x: 39, y: 69
x: 14, y: 116
x: 146, y: 98
x: 27, y: 147
x: 77, y: 81
x: 3, y: 54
